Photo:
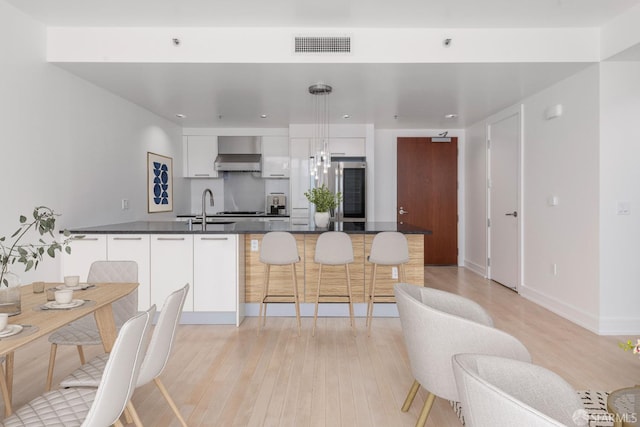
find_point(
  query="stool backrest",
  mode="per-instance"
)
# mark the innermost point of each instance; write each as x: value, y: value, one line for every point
x: 389, y: 248
x: 279, y: 248
x: 334, y: 247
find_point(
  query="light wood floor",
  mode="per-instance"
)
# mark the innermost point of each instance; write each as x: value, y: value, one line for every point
x: 226, y: 376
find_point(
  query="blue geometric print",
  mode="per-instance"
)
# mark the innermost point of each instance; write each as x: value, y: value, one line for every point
x: 160, y: 183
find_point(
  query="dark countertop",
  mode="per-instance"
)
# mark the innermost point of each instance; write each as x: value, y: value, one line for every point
x: 245, y: 227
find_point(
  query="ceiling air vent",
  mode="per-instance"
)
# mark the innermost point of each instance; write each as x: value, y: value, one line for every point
x: 323, y: 44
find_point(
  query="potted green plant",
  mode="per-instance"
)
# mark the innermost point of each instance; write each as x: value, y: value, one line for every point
x: 29, y: 254
x: 324, y: 201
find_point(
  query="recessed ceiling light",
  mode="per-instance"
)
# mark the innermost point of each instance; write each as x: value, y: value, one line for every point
x: 263, y: 116
x: 451, y: 116
x: 180, y: 116
x: 346, y: 116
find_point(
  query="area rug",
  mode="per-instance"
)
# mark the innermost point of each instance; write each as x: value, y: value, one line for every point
x: 594, y: 402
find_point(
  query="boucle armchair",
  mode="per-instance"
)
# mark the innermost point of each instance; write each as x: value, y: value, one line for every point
x: 499, y: 392
x: 437, y: 325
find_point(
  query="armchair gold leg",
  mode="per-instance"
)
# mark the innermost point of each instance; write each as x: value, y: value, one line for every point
x: 424, y: 414
x: 52, y: 362
x: 411, y: 395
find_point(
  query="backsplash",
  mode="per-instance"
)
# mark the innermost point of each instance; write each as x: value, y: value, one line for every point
x: 226, y: 192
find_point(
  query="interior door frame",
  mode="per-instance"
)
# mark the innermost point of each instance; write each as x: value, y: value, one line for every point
x: 516, y: 110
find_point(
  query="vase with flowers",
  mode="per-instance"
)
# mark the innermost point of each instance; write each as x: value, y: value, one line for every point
x: 325, y: 201
x: 13, y: 250
x: 630, y: 346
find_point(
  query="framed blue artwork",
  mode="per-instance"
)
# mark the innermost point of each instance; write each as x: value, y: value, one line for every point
x: 159, y: 183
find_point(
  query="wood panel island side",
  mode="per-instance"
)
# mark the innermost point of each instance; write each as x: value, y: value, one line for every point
x: 222, y: 265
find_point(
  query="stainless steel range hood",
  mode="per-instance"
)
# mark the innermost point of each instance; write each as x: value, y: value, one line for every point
x: 238, y: 154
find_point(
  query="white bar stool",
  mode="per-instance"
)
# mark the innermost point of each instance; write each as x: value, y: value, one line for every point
x: 278, y: 248
x: 388, y: 248
x: 333, y: 248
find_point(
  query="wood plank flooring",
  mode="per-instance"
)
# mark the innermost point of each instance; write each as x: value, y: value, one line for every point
x: 226, y: 376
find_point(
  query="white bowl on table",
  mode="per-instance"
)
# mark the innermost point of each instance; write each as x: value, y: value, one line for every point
x: 64, y: 296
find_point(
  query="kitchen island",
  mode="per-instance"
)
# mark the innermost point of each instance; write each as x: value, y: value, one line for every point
x: 222, y: 264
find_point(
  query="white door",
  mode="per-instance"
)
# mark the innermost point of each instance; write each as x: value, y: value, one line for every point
x: 504, y: 215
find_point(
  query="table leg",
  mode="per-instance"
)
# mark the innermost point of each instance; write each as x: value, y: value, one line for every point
x: 4, y: 384
x: 106, y: 326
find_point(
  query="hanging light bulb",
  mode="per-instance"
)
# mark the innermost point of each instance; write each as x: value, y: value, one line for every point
x: 320, y: 142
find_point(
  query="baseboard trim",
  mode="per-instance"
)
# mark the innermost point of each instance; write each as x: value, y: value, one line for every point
x: 569, y: 312
x: 476, y: 268
x: 324, y: 310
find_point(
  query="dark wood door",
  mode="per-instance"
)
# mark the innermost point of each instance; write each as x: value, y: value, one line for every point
x: 428, y: 193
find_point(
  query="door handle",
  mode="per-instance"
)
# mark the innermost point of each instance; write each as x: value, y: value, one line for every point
x: 402, y: 211
x: 513, y: 214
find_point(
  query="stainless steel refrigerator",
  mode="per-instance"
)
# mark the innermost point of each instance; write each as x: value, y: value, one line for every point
x: 348, y: 175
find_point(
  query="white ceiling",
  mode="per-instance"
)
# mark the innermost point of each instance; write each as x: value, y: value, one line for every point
x: 235, y: 95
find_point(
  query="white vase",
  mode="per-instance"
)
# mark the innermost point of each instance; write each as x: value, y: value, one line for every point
x: 321, y: 219
x: 10, y: 299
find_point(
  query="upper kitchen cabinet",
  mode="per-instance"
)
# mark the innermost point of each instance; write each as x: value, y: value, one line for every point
x: 347, y: 147
x: 200, y: 154
x: 275, y: 157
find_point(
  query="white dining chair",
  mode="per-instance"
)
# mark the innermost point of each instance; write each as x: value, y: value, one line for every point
x: 85, y: 330
x: 93, y: 407
x: 155, y: 360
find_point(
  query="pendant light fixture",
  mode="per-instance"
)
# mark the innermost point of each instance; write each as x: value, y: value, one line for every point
x: 320, y: 140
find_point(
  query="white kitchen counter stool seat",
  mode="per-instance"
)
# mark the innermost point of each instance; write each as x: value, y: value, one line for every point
x: 155, y: 359
x: 278, y: 248
x: 389, y: 248
x: 333, y: 248
x: 84, y: 331
x: 91, y: 407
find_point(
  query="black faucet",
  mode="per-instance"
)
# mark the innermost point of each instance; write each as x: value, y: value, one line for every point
x: 204, y: 206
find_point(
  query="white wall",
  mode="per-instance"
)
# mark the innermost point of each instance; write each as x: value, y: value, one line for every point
x: 619, y: 182
x: 560, y: 158
x: 475, y: 219
x: 385, y: 179
x: 69, y: 145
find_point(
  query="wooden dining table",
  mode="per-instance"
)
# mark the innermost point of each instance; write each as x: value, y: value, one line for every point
x: 38, y: 323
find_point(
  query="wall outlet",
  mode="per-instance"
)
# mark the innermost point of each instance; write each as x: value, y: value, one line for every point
x: 554, y: 269
x: 254, y: 245
x: 394, y: 272
x: 125, y: 204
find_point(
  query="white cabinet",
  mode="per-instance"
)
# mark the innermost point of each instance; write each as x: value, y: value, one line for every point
x: 171, y: 267
x: 92, y: 247
x: 299, y: 180
x: 275, y: 157
x: 200, y: 154
x: 134, y: 247
x: 215, y: 267
x: 347, y: 147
